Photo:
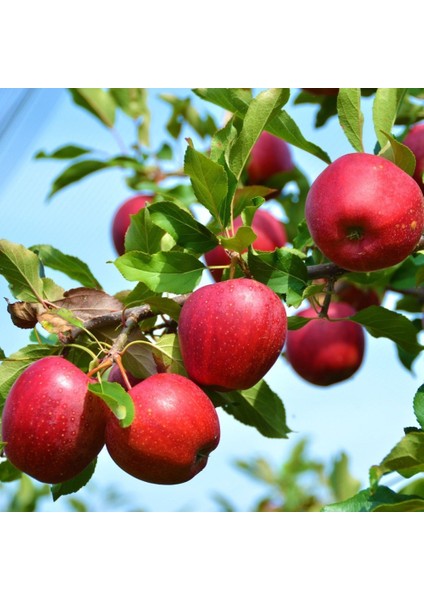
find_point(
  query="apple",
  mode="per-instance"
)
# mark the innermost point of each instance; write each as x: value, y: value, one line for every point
x: 358, y: 297
x: 231, y: 333
x: 324, y: 352
x: 175, y: 428
x: 364, y: 213
x: 322, y: 91
x: 271, y: 234
x: 415, y: 142
x: 270, y: 155
x: 52, y: 425
x: 122, y: 219
x: 115, y: 375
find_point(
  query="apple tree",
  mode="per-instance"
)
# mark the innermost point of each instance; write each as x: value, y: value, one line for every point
x: 147, y: 371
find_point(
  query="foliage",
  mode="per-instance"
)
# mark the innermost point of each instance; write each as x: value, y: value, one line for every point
x: 299, y: 484
x: 162, y: 263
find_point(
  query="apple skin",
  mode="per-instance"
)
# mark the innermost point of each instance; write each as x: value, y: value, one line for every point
x: 364, y: 213
x: 415, y: 142
x: 322, y: 91
x: 324, y: 352
x: 231, y: 333
x: 122, y: 219
x: 53, y: 427
x: 175, y: 427
x: 115, y: 376
x: 271, y: 234
x: 270, y: 155
x: 358, y: 298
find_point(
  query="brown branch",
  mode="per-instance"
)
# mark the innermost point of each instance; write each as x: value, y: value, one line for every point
x: 129, y: 318
x: 325, y: 271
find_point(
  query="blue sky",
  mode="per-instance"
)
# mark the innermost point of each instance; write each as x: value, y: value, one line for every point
x: 364, y: 416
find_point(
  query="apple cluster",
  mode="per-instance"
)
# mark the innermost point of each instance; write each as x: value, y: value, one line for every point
x: 363, y: 213
x: 54, y: 427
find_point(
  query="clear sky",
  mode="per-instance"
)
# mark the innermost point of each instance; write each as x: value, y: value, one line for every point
x: 363, y: 416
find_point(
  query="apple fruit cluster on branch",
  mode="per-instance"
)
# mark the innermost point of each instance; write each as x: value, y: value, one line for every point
x: 151, y: 368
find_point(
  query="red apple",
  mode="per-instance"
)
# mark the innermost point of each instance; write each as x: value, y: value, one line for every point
x: 115, y: 375
x: 358, y: 297
x: 174, y: 429
x: 231, y: 333
x: 364, y: 213
x: 122, y: 219
x: 53, y: 427
x: 415, y: 141
x: 271, y: 234
x: 324, y: 352
x: 322, y: 91
x: 270, y: 155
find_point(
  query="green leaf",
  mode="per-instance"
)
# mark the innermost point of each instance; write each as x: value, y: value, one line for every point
x: 185, y: 230
x: 64, y: 152
x: 16, y: 363
x: 261, y: 110
x: 133, y: 101
x: 143, y: 234
x: 222, y: 142
x: 232, y: 99
x: 165, y: 306
x: 405, y: 275
x: 251, y: 195
x: 76, y: 172
x: 295, y: 322
x: 165, y: 152
x: 117, y: 399
x: 400, y: 154
x: 175, y: 272
x: 69, y: 265
x: 341, y: 481
x: 282, y: 125
x: 52, y: 291
x: 383, y: 499
x: 350, y: 115
x: 8, y: 472
x: 168, y: 354
x: 243, y: 238
x: 76, y: 483
x: 2, y: 354
x: 406, y: 458
x: 96, y: 101
x: 21, y: 267
x: 258, y: 407
x: 139, y: 295
x: 386, y: 104
x: 210, y: 184
x: 282, y: 271
x: 419, y: 406
x: 285, y: 127
x: 382, y: 322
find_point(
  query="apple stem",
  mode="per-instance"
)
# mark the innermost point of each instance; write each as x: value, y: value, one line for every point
x: 329, y: 289
x: 118, y: 361
x: 105, y: 364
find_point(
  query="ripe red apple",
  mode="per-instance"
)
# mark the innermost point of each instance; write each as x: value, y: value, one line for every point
x: 115, y: 375
x: 231, y: 333
x: 324, y: 352
x: 322, y: 91
x: 53, y: 427
x: 122, y: 219
x: 358, y: 297
x: 271, y: 234
x: 175, y: 427
x: 270, y: 155
x: 415, y: 141
x: 364, y: 213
